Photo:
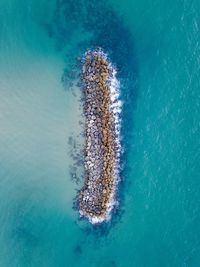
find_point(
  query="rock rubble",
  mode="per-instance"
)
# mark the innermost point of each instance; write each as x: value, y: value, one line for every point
x: 101, y: 147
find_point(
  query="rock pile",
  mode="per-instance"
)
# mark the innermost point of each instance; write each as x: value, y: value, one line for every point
x: 101, y: 148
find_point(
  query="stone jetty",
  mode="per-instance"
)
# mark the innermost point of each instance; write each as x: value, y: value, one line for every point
x: 102, y: 147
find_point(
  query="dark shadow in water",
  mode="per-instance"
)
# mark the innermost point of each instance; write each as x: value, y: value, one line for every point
x: 106, y: 30
x: 78, y: 250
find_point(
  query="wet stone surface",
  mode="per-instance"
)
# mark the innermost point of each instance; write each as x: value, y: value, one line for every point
x: 101, y: 146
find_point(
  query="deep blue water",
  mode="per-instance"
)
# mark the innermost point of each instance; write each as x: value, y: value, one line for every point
x: 155, y: 46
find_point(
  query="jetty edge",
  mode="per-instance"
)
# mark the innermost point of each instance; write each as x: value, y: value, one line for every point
x: 102, y: 109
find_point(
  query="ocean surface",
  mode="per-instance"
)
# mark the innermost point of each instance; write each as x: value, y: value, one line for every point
x: 155, y: 46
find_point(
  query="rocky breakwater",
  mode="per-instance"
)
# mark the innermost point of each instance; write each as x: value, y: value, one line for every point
x: 102, y: 148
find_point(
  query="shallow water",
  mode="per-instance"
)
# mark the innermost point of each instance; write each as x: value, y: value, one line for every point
x: 155, y: 46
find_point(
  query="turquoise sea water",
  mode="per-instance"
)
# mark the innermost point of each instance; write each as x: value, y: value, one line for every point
x: 156, y: 48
